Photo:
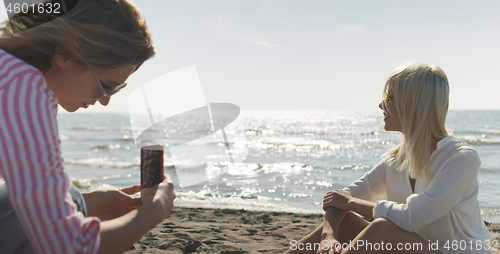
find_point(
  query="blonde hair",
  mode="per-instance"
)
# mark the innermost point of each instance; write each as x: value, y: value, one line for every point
x: 106, y: 33
x: 421, y: 96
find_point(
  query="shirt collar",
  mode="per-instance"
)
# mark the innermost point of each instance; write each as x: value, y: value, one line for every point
x: 442, y: 143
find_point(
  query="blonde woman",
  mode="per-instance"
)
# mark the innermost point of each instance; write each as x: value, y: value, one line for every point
x: 429, y: 180
x: 73, y: 60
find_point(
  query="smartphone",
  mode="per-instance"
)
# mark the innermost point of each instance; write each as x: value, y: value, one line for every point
x: 151, y: 165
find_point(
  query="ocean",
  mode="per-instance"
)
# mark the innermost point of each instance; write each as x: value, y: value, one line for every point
x: 280, y: 160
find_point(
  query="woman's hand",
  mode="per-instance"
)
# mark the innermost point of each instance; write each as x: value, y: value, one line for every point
x: 110, y: 204
x: 119, y: 234
x: 162, y: 194
x: 337, y: 198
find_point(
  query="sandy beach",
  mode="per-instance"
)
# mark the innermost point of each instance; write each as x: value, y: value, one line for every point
x: 227, y: 231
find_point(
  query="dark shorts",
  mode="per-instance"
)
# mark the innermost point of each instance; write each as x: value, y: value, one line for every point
x: 12, y: 236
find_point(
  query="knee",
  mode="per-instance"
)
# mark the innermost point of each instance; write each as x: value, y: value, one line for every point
x: 351, y: 214
x: 381, y: 224
x: 348, y: 220
x: 378, y: 230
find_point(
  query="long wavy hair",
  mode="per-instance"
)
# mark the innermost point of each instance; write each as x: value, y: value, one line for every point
x: 105, y: 33
x: 421, y: 96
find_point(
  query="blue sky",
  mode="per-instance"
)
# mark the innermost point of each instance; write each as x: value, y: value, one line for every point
x: 320, y: 55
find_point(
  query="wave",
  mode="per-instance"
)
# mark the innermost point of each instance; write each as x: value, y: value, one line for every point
x: 95, y: 183
x: 489, y: 170
x: 479, y: 140
x: 131, y: 129
x: 491, y: 211
x: 253, y: 169
x: 107, y: 147
x: 356, y: 167
x: 287, y: 167
x: 91, y: 128
x: 103, y: 163
x: 246, y: 169
x: 490, y: 132
x: 484, y: 132
x: 63, y: 137
x: 295, y: 142
x: 124, y: 139
x: 315, y: 132
x: 237, y: 201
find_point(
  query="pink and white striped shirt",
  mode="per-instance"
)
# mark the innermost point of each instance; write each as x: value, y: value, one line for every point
x: 32, y: 166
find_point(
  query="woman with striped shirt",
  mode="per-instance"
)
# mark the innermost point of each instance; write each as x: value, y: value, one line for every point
x: 74, y: 60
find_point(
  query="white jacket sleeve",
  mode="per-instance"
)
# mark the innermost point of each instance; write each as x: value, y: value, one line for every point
x: 445, y: 191
x: 371, y: 186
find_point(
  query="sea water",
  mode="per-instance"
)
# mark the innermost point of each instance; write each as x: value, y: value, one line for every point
x: 291, y: 158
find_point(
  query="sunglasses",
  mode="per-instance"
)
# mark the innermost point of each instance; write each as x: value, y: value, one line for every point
x: 387, y: 98
x: 103, y: 90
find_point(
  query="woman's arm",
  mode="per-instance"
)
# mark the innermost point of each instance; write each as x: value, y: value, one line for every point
x: 371, y: 186
x: 362, y: 207
x: 344, y: 201
x: 118, y: 235
x: 32, y: 166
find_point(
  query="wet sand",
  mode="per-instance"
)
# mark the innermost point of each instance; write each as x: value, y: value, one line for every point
x: 227, y: 231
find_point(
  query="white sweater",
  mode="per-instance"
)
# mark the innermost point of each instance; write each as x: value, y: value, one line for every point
x: 441, y: 210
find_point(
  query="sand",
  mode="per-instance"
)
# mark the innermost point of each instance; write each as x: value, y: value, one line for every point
x: 202, y: 230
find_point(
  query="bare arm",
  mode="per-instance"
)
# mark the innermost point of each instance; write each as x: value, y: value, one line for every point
x: 362, y: 207
x: 118, y: 235
x: 344, y: 201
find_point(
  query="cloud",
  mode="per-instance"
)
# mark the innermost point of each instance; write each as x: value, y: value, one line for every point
x: 348, y: 29
x: 360, y: 29
x: 219, y: 18
x: 243, y: 33
x: 269, y: 45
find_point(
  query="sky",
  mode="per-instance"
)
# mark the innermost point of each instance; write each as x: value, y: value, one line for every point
x: 319, y: 55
